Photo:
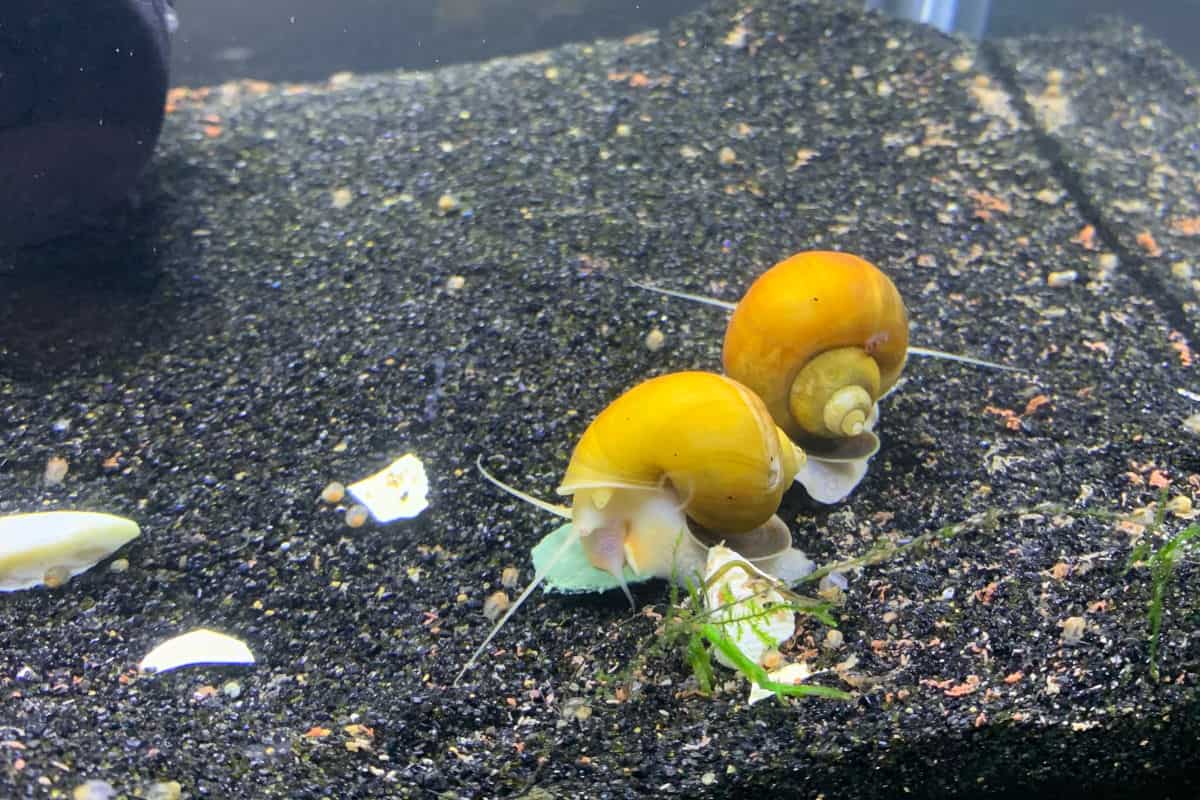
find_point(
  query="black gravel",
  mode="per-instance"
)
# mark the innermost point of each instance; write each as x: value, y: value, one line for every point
x: 1134, y: 154
x: 241, y: 341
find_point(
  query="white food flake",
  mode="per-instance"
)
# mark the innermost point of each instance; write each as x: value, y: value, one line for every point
x: 398, y: 491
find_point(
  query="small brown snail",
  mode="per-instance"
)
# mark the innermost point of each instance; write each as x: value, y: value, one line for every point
x: 821, y: 337
x: 671, y: 466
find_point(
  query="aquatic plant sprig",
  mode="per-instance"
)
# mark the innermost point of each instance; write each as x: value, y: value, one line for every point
x: 1162, y: 565
x: 759, y: 675
x: 697, y: 630
x: 695, y: 627
x: 711, y: 625
x: 1162, y: 562
x: 883, y: 550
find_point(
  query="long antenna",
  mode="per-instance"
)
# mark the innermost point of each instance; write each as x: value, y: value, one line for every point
x: 912, y: 350
x: 521, y: 598
x: 978, y: 362
x: 695, y: 298
x: 559, y: 511
x: 556, y: 510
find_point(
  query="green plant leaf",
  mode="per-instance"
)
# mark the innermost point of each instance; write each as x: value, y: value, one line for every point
x: 1162, y: 565
x: 573, y: 573
x: 759, y: 675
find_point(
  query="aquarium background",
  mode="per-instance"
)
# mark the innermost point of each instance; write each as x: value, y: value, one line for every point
x: 304, y: 40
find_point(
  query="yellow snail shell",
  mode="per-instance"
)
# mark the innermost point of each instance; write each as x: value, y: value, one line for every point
x: 820, y: 337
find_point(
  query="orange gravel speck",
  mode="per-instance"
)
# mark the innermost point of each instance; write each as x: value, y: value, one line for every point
x: 1011, y: 420
x: 1180, y: 345
x: 1145, y: 240
x: 986, y: 203
x: 986, y: 594
x: 1086, y: 238
x: 1186, y: 226
x: 966, y: 687
x: 1035, y: 403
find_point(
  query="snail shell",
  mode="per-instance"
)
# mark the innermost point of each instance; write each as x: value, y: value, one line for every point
x: 820, y: 337
x: 685, y: 446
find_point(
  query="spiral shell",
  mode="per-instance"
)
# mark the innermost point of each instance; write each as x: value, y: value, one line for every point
x: 820, y: 337
x: 688, y: 445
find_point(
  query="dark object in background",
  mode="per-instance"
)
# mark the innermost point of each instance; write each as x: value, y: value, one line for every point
x: 82, y: 90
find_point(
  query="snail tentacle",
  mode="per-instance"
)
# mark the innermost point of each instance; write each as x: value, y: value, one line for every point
x: 553, y: 508
x: 944, y: 356
x: 521, y: 598
x: 695, y: 298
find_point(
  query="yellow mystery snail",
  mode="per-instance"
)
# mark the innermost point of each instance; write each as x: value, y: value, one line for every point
x: 672, y: 466
x: 821, y: 337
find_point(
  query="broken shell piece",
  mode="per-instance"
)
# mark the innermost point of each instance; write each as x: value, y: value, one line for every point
x: 398, y: 491
x: 58, y: 544
x: 200, y: 646
x: 793, y: 674
x: 741, y: 601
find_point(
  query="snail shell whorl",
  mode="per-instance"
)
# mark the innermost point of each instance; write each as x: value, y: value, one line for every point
x: 819, y: 337
x: 704, y: 436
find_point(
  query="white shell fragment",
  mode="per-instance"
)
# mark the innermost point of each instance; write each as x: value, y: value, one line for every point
x: 197, y: 647
x: 398, y: 491
x: 739, y: 600
x: 57, y: 545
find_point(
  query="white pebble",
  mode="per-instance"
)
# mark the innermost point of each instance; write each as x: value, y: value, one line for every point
x: 94, y: 790
x: 833, y: 580
x: 56, y: 470
x: 164, y: 790
x: 1057, y: 280
x: 1073, y: 629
